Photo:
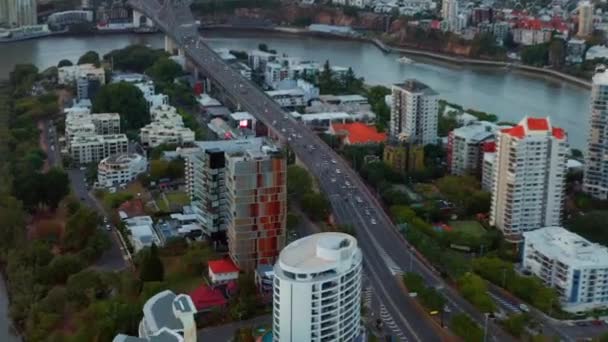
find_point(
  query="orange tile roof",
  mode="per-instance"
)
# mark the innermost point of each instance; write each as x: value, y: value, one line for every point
x: 359, y: 133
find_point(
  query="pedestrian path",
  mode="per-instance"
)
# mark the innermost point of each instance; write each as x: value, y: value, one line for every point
x: 503, y: 303
x: 391, y: 325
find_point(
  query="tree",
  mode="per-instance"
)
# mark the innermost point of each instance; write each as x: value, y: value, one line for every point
x: 557, y: 53
x: 536, y: 55
x: 135, y: 58
x: 64, y: 63
x: 151, y: 266
x: 61, y: 267
x: 90, y: 57
x: 299, y: 181
x: 316, y: 206
x: 263, y: 47
x: 591, y: 226
x: 164, y: 70
x: 79, y: 228
x: 515, y: 324
x: 12, y: 221
x: 463, y: 326
x: 474, y: 289
x: 243, y: 305
x: 125, y: 99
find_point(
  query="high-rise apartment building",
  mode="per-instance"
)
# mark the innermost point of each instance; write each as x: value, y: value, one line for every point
x: 529, y: 177
x: 585, y: 19
x: 317, y: 289
x: 205, y: 179
x: 256, y: 206
x: 18, y: 12
x: 449, y: 12
x: 414, y: 112
x: 466, y: 147
x: 595, y: 181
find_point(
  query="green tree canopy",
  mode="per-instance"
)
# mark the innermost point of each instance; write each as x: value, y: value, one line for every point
x: 151, y: 267
x: 90, y: 57
x: 164, y: 70
x: 299, y: 181
x: 64, y: 63
x: 316, y: 206
x: 135, y: 58
x: 125, y: 99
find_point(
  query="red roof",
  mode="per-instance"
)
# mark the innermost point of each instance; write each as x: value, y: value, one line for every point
x: 359, y: 133
x: 515, y: 131
x: 222, y: 266
x: 134, y: 207
x: 206, y: 297
x: 559, y: 133
x: 538, y: 124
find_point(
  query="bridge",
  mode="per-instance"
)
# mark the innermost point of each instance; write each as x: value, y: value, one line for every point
x: 386, y: 253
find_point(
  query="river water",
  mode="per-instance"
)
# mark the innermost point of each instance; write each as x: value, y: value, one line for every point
x: 509, y: 94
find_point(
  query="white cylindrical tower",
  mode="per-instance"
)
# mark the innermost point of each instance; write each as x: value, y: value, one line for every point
x: 317, y: 289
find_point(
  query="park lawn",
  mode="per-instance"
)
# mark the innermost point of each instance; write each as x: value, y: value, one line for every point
x: 470, y: 227
x: 162, y: 204
x: 178, y: 198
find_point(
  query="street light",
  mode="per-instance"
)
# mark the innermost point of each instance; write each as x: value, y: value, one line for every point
x: 485, y: 326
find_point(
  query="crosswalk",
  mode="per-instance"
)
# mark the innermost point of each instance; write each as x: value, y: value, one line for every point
x: 503, y: 303
x: 390, y: 323
x: 390, y: 263
x: 367, y: 297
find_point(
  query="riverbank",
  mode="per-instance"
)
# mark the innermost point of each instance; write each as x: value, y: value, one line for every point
x: 388, y: 48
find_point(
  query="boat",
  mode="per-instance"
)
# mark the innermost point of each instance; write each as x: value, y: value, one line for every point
x: 405, y: 60
x: 24, y: 33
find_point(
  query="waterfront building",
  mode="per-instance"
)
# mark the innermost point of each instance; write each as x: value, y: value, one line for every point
x: 585, y: 19
x: 120, y: 169
x: 167, y: 317
x: 256, y: 206
x: 529, y: 177
x: 414, y: 112
x: 17, y: 13
x: 81, y: 123
x: 465, y: 147
x: 69, y: 75
x: 317, y: 289
x: 575, y: 267
x: 92, y: 149
x: 595, y: 181
x: 575, y: 51
x: 87, y: 87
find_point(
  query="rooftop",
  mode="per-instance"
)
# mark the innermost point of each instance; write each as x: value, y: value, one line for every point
x: 360, y: 133
x: 238, y: 116
x: 415, y: 86
x: 477, y: 131
x: 222, y: 266
x: 317, y: 252
x: 566, y: 246
x: 122, y: 158
x: 205, y: 297
x: 534, y: 126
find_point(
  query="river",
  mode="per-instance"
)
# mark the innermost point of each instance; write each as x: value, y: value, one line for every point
x: 509, y: 94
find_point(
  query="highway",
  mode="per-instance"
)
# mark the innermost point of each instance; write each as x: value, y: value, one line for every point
x: 384, y: 249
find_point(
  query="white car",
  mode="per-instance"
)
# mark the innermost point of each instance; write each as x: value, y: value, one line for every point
x: 338, y: 171
x: 372, y: 221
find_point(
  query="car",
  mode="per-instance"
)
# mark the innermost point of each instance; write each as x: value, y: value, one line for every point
x: 524, y: 308
x: 105, y: 219
x: 372, y: 221
x: 333, y: 161
x: 108, y: 227
x: 338, y: 171
x: 367, y: 212
x: 333, y: 180
x: 597, y: 322
x: 582, y: 323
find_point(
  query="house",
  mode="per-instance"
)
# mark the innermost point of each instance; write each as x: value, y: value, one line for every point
x: 206, y: 298
x: 357, y: 133
x: 222, y: 271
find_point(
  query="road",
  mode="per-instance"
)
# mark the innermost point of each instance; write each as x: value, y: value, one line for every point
x: 382, y: 246
x: 112, y: 259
